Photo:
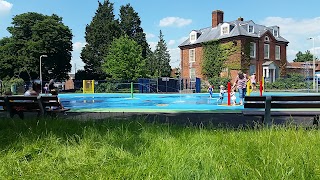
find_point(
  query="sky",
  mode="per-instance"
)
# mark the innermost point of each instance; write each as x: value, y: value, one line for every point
x: 298, y: 20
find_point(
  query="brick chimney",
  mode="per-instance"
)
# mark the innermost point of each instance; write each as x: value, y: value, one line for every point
x: 217, y: 17
x: 240, y: 18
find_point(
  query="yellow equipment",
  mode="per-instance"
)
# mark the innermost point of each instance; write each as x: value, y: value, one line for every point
x: 88, y: 86
x: 249, y: 87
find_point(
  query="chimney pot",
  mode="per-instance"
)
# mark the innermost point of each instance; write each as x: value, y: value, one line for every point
x: 240, y: 19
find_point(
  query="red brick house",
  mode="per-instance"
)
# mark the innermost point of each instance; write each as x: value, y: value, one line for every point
x: 268, y: 48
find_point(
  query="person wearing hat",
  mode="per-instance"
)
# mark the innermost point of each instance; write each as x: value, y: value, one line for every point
x: 221, y: 94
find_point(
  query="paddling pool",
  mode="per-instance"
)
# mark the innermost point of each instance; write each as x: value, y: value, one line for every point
x: 122, y: 102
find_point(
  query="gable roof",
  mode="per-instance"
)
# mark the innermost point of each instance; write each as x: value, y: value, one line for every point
x: 240, y: 29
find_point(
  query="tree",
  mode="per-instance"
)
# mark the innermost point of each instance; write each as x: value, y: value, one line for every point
x: 99, y: 35
x: 150, y: 63
x: 300, y: 57
x: 130, y: 25
x: 124, y: 60
x: 215, y: 56
x: 32, y: 35
x: 162, y: 58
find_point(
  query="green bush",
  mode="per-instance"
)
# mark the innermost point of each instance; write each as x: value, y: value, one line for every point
x: 106, y: 87
x: 292, y: 81
x: 217, y: 81
x: 7, y: 83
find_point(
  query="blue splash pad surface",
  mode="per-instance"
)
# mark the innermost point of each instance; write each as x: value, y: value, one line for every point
x: 122, y: 102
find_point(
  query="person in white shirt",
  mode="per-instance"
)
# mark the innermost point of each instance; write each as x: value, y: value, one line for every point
x: 233, y: 97
x: 221, y: 94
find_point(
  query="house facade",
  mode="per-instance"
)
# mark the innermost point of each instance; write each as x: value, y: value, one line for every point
x: 268, y: 49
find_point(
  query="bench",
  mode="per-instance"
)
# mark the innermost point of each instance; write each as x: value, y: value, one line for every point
x: 20, y: 104
x: 2, y: 104
x: 50, y: 105
x: 267, y: 106
x: 43, y: 105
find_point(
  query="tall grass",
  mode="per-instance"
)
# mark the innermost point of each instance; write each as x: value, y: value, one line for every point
x: 136, y: 149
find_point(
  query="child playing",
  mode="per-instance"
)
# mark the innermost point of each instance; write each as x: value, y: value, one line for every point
x: 210, y: 89
x: 233, y: 96
x: 221, y: 94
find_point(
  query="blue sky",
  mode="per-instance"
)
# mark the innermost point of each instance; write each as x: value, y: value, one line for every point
x: 298, y: 20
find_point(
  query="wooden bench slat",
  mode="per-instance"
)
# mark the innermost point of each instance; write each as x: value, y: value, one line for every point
x: 281, y: 113
x: 293, y: 106
x: 14, y: 104
x: 254, y: 105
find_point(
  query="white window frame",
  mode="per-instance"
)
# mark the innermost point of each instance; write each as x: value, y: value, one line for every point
x: 277, y: 52
x: 252, y: 29
x: 192, y: 37
x: 192, y: 74
x: 225, y: 30
x: 266, y: 51
x: 254, y: 50
x: 267, y: 39
x: 275, y: 33
x: 192, y: 55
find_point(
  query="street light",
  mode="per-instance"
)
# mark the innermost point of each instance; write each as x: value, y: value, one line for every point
x: 313, y: 64
x: 41, y: 72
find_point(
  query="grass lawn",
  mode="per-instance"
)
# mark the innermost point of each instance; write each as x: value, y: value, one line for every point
x: 135, y: 149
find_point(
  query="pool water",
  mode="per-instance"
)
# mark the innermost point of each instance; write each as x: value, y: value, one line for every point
x: 121, y: 102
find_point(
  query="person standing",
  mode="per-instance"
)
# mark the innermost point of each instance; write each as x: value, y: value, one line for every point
x: 253, y: 81
x: 241, y: 83
x: 210, y: 90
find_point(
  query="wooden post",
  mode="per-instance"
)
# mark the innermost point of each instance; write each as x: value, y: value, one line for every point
x: 267, y: 113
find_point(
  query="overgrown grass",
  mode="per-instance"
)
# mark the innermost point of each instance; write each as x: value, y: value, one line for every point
x: 136, y: 149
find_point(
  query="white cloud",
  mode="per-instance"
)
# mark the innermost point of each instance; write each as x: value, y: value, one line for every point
x: 171, y: 42
x: 150, y: 35
x: 77, y: 46
x: 5, y: 7
x: 297, y: 33
x: 153, y: 45
x: 174, y: 21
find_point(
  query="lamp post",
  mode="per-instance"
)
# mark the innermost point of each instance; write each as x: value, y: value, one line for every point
x: 313, y: 65
x: 41, y: 72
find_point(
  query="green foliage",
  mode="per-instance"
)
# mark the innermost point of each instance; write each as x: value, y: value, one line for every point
x: 292, y: 81
x: 215, y: 56
x: 217, y: 81
x: 130, y: 25
x: 161, y: 59
x: 303, y: 57
x: 7, y: 83
x: 100, y: 33
x: 105, y: 87
x: 150, y: 64
x: 32, y: 35
x: 124, y: 60
x: 245, y: 56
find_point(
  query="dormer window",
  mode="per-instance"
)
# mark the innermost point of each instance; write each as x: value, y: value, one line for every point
x: 267, y: 39
x: 225, y: 28
x: 193, y: 36
x: 275, y: 33
x: 250, y: 29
